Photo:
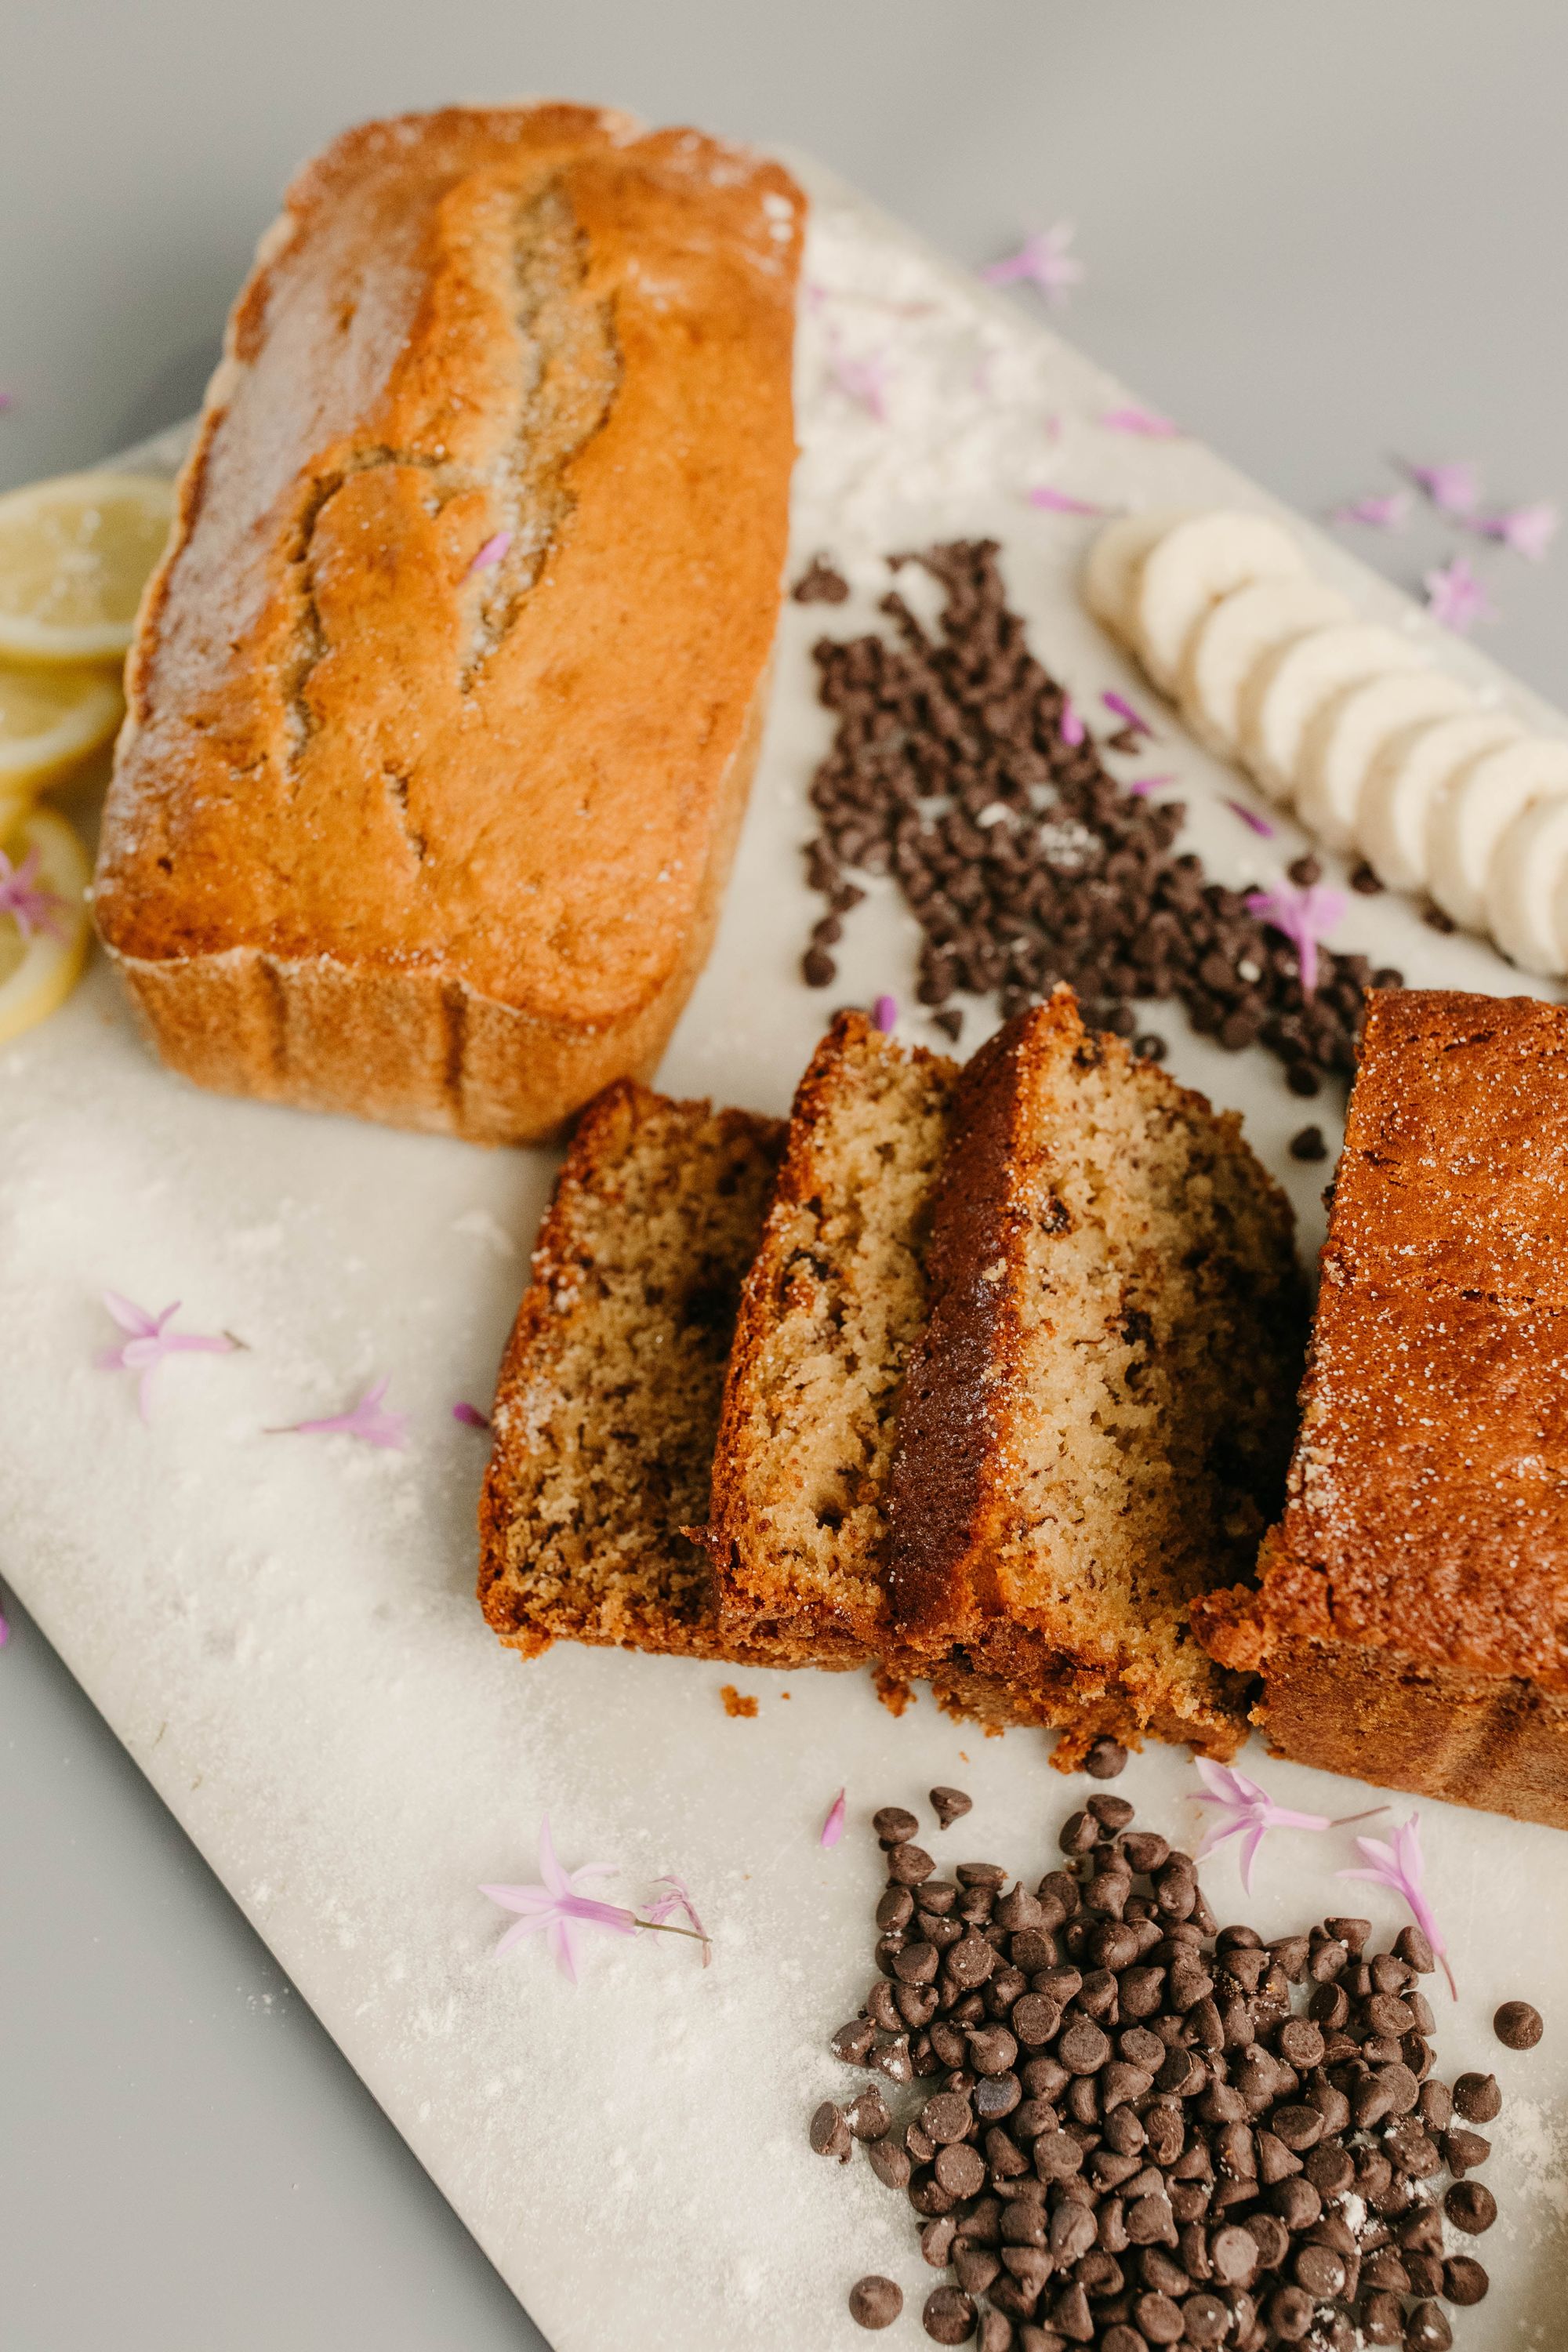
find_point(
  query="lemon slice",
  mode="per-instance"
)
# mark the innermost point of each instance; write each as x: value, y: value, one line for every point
x: 50, y: 719
x: 41, y: 963
x: 75, y: 555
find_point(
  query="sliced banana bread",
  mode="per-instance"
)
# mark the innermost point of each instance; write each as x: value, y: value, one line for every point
x: 608, y: 1398
x: 834, y: 1304
x: 1095, y: 1422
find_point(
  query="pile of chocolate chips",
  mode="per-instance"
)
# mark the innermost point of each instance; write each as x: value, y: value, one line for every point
x: 1125, y: 2125
x: 1023, y: 861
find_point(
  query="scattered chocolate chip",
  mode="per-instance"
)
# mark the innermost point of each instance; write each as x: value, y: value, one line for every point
x: 1477, y: 2098
x: 893, y: 1824
x: 949, y: 2316
x: 1365, y: 881
x: 1438, y: 920
x: 1427, y: 2329
x: 876, y: 2301
x: 867, y: 2115
x: 949, y: 1805
x: 820, y: 583
x: 1464, y: 2279
x: 830, y: 2133
x: 817, y: 968
x: 1518, y: 2026
x: 1471, y: 2207
x: 1308, y: 1143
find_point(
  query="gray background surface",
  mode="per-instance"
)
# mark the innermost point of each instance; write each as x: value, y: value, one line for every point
x: 1316, y: 234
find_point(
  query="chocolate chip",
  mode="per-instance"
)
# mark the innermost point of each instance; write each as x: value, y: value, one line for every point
x: 852, y: 2042
x: 909, y: 1865
x: 1427, y: 2329
x: 1471, y: 2207
x: 949, y: 1805
x: 1411, y: 1947
x: 876, y: 2301
x: 1364, y: 880
x: 1464, y: 2150
x: 1477, y: 2098
x: 961, y: 2170
x: 819, y: 584
x: 1464, y: 2280
x: 1106, y: 1757
x: 1518, y: 2026
x: 830, y: 2133
x: 1111, y: 1812
x: 893, y: 1824
x: 1308, y: 1143
x: 817, y: 968
x: 949, y: 2316
x: 890, y: 2163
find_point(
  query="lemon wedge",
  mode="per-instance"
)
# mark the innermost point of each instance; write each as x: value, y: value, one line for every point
x: 43, y: 947
x: 50, y: 719
x: 75, y: 555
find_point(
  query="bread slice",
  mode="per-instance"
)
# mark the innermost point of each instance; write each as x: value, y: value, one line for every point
x: 1097, y: 1418
x: 445, y: 698
x: 833, y: 1306
x: 608, y: 1398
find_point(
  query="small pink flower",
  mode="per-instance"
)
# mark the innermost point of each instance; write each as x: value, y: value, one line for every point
x: 1120, y: 708
x: 558, y: 1907
x: 886, y: 1014
x: 31, y: 905
x: 1527, y: 531
x: 470, y: 1416
x: 1457, y: 597
x: 492, y: 552
x: 678, y: 1898
x: 1142, y: 786
x: 366, y: 1420
x: 1454, y: 487
x: 151, y: 1340
x: 1389, y: 510
x: 1305, y: 918
x: 1042, y: 261
x: 1073, y: 729
x: 1054, y: 501
x: 833, y: 1827
x: 1259, y: 825
x: 1403, y: 1867
x: 1146, y: 422
x: 1248, y: 1811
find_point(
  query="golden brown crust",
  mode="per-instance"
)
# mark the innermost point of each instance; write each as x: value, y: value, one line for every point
x: 392, y: 835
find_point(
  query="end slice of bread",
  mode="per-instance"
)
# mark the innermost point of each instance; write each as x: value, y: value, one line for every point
x: 1097, y: 1417
x: 607, y: 1403
x: 833, y: 1307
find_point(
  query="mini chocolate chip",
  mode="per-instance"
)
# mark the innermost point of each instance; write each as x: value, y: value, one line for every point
x: 1411, y: 1947
x: 1477, y: 2098
x: 890, y: 2163
x: 852, y: 2042
x: 1289, y: 2313
x: 1057, y: 2156
x: 936, y: 2239
x: 867, y: 2115
x: 1321, y: 2271
x: 1471, y: 2207
x: 1158, y: 2320
x: 1205, y: 2319
x: 909, y: 1865
x: 1464, y: 2280
x: 1082, y: 2047
x: 1518, y: 2026
x: 895, y: 1909
x: 1110, y: 1813
x: 877, y: 2302
x: 1105, y: 1757
x: 1382, y: 2320
x: 830, y: 2133
x: 1464, y: 2150
x: 949, y: 1805
x: 947, y: 2118
x: 893, y: 1824
x: 1308, y: 1144
x: 961, y: 2170
x: 1427, y: 2329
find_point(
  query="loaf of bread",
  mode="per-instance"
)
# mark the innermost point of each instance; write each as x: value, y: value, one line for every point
x: 1097, y: 1417
x: 445, y: 698
x: 1411, y: 1622
x: 607, y: 1403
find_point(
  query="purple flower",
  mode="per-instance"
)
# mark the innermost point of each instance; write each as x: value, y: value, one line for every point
x: 558, y: 1907
x: 1457, y: 597
x: 1142, y: 786
x: 1146, y: 422
x: 366, y: 1420
x: 1056, y: 501
x: 1073, y: 729
x: 1454, y: 487
x: 886, y: 1013
x: 1042, y: 261
x: 1120, y: 708
x: 151, y: 1340
x: 1389, y: 510
x: 492, y: 552
x: 1527, y: 530
x: 1402, y: 1866
x: 470, y: 1416
x: 833, y: 1827
x: 678, y: 1898
x: 1247, y: 1812
x: 32, y: 905
x: 1259, y: 825
x: 1304, y: 917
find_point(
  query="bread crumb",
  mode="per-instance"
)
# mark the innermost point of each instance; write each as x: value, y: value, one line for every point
x: 734, y: 1704
x: 894, y: 1692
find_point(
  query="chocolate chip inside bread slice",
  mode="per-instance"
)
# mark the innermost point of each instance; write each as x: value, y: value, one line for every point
x: 607, y: 1403
x: 833, y: 1307
x: 1097, y: 1417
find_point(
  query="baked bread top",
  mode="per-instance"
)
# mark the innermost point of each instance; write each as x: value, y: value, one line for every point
x: 348, y: 742
x: 1427, y: 1512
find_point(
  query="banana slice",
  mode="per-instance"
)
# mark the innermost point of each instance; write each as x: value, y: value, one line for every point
x: 1238, y: 633
x: 1286, y: 692
x: 1195, y: 563
x: 1407, y: 777
x: 1527, y: 890
x: 1344, y: 738
x: 1113, y: 562
x: 1476, y: 809
x: 40, y: 965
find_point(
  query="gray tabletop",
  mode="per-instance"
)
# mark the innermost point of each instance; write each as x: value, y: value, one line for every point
x: 1318, y: 236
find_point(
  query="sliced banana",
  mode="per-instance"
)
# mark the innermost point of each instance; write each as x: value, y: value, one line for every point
x: 1404, y: 782
x: 1527, y: 890
x: 1344, y: 738
x: 1242, y: 630
x: 1476, y: 809
x: 1288, y: 690
x: 1113, y: 562
x: 1189, y: 569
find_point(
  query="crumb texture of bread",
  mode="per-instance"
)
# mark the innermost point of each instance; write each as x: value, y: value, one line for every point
x: 1411, y: 1621
x: 834, y: 1304
x: 607, y: 1403
x: 1097, y: 1420
x: 446, y: 696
